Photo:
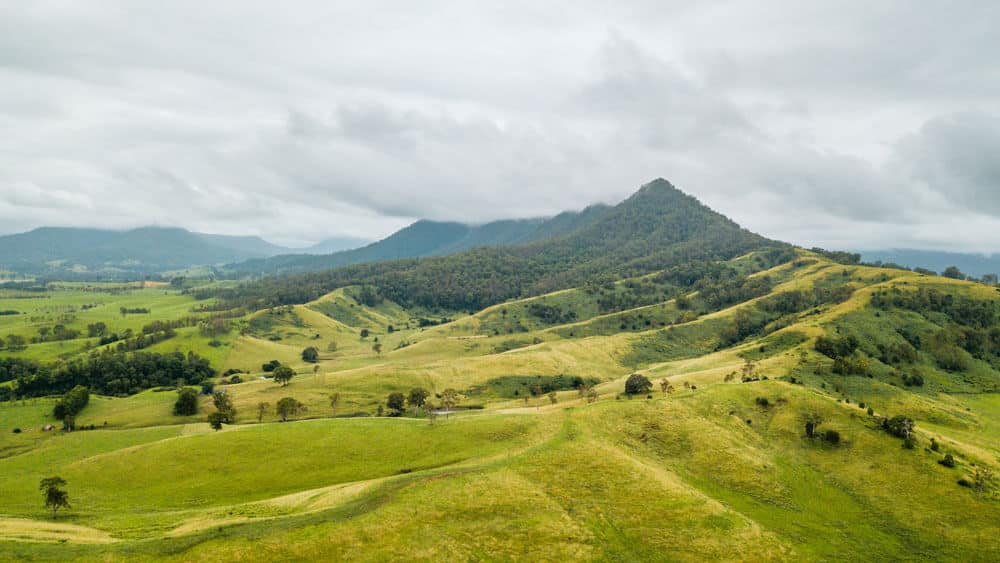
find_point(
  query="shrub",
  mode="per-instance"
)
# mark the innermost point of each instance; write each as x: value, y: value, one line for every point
x: 637, y: 384
x: 270, y: 366
x: 934, y: 445
x: 17, y: 431
x: 187, y: 402
x: 909, y: 443
x: 207, y: 388
x: 963, y: 482
x: 310, y: 354
x: 831, y: 437
x: 948, y: 461
x: 762, y: 402
x: 899, y: 426
x: 871, y: 411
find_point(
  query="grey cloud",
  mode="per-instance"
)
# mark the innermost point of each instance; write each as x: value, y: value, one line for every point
x: 840, y: 124
x: 956, y: 156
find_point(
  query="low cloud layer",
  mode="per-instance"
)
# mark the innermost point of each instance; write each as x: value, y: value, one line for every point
x: 849, y: 125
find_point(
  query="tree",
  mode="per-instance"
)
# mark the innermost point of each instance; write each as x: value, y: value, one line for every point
x: 262, y: 410
x: 899, y: 426
x: 334, y: 402
x: 187, y: 402
x: 449, y: 398
x: 55, y: 496
x: 16, y: 343
x: 283, y: 375
x: 377, y: 348
x: 224, y: 406
x: 288, y: 406
x: 216, y: 419
x: 664, y: 385
x: 637, y: 384
x: 592, y: 395
x: 953, y: 272
x: 270, y: 366
x: 553, y: 399
x: 812, y: 420
x: 981, y: 478
x: 417, y: 398
x: 72, y: 402
x: 364, y: 333
x: 310, y: 354
x: 396, y: 402
x: 332, y: 346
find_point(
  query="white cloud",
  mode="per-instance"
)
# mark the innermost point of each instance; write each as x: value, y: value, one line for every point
x: 844, y: 124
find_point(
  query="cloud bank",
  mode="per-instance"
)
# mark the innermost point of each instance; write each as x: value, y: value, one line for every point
x: 844, y: 125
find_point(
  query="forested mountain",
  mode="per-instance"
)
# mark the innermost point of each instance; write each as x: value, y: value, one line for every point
x: 657, y: 227
x: 977, y: 265
x: 333, y: 244
x: 66, y: 252
x: 426, y: 238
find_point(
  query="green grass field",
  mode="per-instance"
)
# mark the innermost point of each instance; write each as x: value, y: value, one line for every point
x: 704, y: 472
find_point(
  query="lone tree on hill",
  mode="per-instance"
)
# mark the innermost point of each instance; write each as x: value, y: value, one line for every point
x: 224, y: 413
x: 417, y: 398
x: 899, y: 426
x: 216, y: 419
x: 55, y: 496
x: 287, y: 407
x: 449, y: 398
x: 262, y: 408
x: 187, y: 402
x: 637, y: 384
x: 812, y: 420
x: 310, y: 354
x: 283, y: 375
x: 396, y: 402
x: 953, y: 272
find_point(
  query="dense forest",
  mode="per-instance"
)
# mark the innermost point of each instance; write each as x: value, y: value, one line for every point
x: 108, y: 373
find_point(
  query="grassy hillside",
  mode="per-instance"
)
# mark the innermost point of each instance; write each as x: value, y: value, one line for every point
x: 714, y: 465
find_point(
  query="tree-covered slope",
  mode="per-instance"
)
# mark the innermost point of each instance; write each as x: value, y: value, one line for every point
x: 658, y: 227
x: 425, y: 238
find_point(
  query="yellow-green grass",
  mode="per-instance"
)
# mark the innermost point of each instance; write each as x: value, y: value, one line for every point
x: 29, y: 416
x: 684, y: 477
x: 64, y: 305
x: 679, y: 477
x: 135, y: 483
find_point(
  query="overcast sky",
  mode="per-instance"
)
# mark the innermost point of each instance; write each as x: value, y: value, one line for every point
x: 856, y: 125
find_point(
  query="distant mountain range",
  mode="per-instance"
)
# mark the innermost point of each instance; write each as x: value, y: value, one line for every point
x: 977, y: 265
x: 428, y: 238
x: 81, y: 253
x: 97, y: 253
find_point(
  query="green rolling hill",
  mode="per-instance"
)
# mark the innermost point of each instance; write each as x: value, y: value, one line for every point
x: 797, y: 408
